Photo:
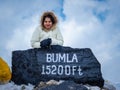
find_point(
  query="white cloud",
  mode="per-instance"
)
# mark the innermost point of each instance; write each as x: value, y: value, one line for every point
x: 84, y: 28
x: 20, y: 38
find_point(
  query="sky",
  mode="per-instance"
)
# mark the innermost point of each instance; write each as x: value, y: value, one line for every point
x: 90, y: 24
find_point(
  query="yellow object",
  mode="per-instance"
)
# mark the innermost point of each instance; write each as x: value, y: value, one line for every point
x: 5, y: 73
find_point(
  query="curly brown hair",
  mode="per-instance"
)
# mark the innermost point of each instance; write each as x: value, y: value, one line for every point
x: 50, y: 15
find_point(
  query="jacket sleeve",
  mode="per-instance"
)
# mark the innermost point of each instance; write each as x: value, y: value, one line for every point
x: 59, y: 38
x: 35, y: 42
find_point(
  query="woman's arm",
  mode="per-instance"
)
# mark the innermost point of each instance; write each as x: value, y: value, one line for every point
x: 59, y: 38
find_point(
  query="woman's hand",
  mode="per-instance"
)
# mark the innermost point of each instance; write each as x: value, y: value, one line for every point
x: 45, y: 43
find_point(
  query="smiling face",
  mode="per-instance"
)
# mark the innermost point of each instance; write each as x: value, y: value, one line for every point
x: 47, y: 23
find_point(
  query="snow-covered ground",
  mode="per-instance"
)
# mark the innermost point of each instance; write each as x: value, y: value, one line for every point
x: 12, y: 86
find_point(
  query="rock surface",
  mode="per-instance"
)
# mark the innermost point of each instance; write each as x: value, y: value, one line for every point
x: 58, y: 63
x: 67, y: 85
x: 70, y: 85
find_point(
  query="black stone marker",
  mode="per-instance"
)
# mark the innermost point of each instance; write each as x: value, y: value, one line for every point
x: 64, y: 63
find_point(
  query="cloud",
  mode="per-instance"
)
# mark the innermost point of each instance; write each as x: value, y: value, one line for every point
x: 94, y: 24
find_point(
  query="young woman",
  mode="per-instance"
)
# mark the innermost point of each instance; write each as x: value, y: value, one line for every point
x: 47, y: 33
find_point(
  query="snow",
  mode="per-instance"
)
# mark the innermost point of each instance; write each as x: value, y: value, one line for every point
x: 13, y: 86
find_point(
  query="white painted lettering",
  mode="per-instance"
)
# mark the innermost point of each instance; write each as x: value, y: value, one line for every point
x: 49, y: 57
x: 61, y: 57
x: 79, y: 71
x: 74, y: 59
x: 60, y: 69
x: 67, y: 69
x: 73, y: 70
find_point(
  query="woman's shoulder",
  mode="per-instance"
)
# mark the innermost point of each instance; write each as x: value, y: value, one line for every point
x: 57, y: 29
